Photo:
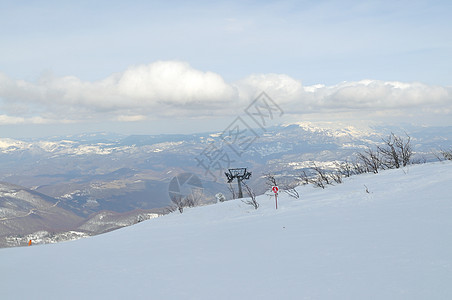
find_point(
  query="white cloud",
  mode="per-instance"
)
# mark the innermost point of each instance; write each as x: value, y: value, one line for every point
x: 4, y: 119
x: 281, y: 87
x: 130, y: 118
x: 161, y: 86
x: 175, y: 89
x: 12, y: 120
x: 377, y: 95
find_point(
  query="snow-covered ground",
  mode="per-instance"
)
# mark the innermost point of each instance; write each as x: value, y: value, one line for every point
x: 394, y: 242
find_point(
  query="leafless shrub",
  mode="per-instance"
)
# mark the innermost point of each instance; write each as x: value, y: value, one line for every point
x: 303, y: 177
x: 220, y: 197
x: 169, y: 209
x: 447, y: 154
x: 359, y: 168
x: 438, y: 156
x: 322, y: 175
x: 370, y: 159
x: 443, y: 155
x: 252, y: 201
x: 396, y: 152
x: 405, y: 149
x: 194, y: 198
x: 270, y: 180
x: 344, y: 168
x: 290, y: 189
x: 179, y: 202
x: 191, y: 200
x: 172, y: 207
x: 336, y: 177
x: 419, y: 160
x: 318, y: 182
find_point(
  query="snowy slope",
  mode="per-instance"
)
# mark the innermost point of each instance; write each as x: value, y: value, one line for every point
x: 339, y: 243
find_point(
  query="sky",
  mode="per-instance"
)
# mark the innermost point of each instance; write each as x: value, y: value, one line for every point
x: 148, y: 67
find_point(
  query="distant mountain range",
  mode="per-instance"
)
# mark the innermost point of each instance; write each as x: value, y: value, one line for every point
x: 60, y: 183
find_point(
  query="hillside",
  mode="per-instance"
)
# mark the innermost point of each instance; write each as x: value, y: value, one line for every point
x: 23, y: 211
x: 394, y: 242
x: 26, y: 214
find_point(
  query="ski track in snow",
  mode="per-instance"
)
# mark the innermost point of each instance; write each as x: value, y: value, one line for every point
x: 394, y: 242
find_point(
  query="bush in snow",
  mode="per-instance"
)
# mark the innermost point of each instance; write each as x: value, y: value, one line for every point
x: 220, y: 197
x: 444, y: 155
x: 252, y: 201
x: 396, y: 151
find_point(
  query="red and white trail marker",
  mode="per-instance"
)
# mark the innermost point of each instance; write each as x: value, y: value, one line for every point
x: 275, y: 190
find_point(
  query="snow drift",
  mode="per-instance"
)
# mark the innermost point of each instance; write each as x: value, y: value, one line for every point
x: 392, y: 242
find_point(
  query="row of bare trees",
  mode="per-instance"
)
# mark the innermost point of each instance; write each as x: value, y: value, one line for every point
x: 321, y: 177
x: 394, y: 152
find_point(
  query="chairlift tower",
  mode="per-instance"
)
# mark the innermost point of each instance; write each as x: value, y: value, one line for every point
x: 239, y: 173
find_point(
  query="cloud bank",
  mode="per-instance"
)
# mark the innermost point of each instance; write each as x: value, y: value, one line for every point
x: 175, y: 89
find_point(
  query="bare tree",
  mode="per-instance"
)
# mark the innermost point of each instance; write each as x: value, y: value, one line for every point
x: 359, y: 168
x: 447, y: 154
x: 396, y: 151
x: 390, y: 157
x: 420, y: 159
x: 443, y: 155
x: 270, y: 180
x: 194, y: 198
x: 169, y: 209
x: 344, y: 168
x: 179, y: 202
x: 336, y: 176
x: 318, y: 182
x: 405, y: 149
x: 438, y: 156
x: 322, y: 175
x: 371, y: 160
x: 290, y: 189
x: 304, y: 178
x: 252, y: 201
